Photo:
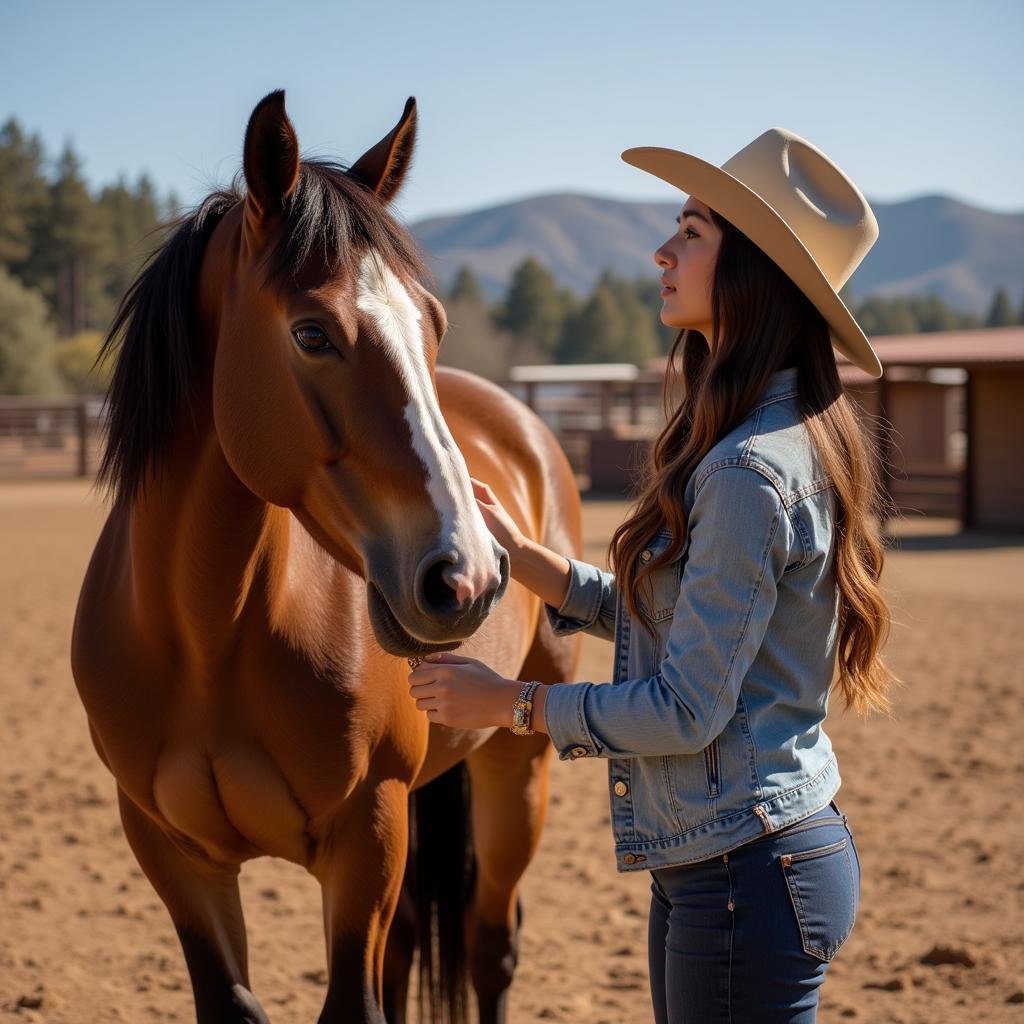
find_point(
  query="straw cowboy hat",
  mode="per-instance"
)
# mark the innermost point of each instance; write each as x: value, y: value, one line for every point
x: 798, y: 207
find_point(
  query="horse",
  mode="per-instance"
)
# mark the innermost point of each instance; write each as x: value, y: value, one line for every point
x: 292, y: 518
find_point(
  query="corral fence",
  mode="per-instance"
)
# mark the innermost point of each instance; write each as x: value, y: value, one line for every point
x: 604, y: 420
x: 57, y: 436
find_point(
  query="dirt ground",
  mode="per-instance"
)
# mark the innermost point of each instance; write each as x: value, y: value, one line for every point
x: 932, y: 796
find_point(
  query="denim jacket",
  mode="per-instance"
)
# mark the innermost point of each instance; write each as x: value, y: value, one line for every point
x: 713, y: 727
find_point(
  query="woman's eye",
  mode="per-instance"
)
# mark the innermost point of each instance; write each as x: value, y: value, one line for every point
x: 311, y: 338
x: 689, y: 233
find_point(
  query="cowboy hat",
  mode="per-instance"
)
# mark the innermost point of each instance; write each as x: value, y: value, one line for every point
x: 798, y: 207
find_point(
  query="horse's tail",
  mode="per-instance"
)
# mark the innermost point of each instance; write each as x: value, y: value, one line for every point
x: 444, y: 873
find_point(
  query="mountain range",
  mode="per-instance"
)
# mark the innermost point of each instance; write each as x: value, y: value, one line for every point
x: 930, y: 245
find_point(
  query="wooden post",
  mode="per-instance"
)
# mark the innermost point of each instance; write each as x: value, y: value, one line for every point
x: 531, y: 395
x: 884, y: 445
x: 968, y: 482
x: 606, y: 405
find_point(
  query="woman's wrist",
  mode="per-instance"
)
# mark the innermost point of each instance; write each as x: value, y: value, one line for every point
x: 540, y: 570
x: 537, y: 721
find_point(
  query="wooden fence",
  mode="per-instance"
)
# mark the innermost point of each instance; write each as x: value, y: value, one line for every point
x: 50, y: 437
x: 603, y: 429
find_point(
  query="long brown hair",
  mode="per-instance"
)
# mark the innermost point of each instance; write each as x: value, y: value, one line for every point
x: 764, y: 323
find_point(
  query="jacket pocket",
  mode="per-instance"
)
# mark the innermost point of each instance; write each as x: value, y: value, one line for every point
x: 659, y: 590
x: 712, y: 764
x: 823, y: 892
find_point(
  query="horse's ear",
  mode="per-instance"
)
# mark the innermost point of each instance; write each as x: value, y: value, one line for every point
x: 383, y: 168
x: 271, y: 158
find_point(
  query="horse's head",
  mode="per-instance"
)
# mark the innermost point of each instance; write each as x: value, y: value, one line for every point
x: 323, y: 345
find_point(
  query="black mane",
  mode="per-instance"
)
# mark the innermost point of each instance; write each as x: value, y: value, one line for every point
x: 331, y: 218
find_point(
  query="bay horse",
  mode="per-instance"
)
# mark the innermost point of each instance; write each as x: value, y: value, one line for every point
x: 292, y: 519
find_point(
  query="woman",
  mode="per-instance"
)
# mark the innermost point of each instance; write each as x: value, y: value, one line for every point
x: 746, y: 575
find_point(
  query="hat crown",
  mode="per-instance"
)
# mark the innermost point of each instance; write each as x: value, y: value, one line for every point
x: 821, y: 206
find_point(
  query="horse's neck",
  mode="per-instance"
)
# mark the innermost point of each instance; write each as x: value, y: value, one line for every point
x: 204, y: 547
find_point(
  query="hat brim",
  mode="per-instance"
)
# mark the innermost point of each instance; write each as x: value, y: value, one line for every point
x: 745, y: 209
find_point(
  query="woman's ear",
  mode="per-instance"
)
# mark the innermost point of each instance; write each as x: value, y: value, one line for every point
x: 383, y: 168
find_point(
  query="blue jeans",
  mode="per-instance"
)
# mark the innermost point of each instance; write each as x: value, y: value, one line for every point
x: 746, y: 937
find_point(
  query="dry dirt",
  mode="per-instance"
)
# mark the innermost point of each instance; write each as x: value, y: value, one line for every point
x: 932, y: 796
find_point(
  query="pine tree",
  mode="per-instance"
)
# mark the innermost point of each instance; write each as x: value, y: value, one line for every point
x: 596, y: 331
x: 648, y: 293
x: 1000, y: 313
x: 534, y: 307
x: 23, y: 192
x: 72, y: 251
x: 466, y: 287
x: 133, y: 215
x: 640, y: 340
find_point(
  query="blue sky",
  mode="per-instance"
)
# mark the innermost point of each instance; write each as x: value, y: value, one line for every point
x: 523, y: 98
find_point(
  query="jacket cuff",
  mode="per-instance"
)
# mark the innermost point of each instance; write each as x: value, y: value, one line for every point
x: 566, y: 723
x: 582, y: 603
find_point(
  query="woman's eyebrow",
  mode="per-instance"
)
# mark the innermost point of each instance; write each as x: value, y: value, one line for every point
x: 694, y: 213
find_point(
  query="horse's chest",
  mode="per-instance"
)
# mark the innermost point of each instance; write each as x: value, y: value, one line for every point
x: 243, y: 765
x: 231, y: 798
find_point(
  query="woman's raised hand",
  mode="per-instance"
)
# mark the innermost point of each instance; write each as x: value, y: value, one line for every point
x: 497, y: 520
x: 544, y: 572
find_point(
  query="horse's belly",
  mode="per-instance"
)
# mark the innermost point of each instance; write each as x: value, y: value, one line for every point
x: 234, y: 803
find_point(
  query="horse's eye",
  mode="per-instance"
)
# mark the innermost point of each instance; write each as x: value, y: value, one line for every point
x: 312, y: 339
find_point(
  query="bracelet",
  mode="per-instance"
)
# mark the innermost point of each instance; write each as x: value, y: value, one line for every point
x: 522, y: 710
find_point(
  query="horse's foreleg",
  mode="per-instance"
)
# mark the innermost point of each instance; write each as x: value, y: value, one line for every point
x: 360, y: 868
x: 509, y: 792
x: 399, y: 954
x: 203, y: 901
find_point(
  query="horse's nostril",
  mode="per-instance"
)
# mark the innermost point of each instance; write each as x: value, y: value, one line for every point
x: 438, y: 595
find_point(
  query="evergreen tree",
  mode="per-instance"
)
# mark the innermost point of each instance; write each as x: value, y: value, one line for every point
x: 466, y: 288
x: 72, y: 251
x: 595, y: 332
x: 1020, y: 315
x: 23, y: 192
x: 932, y: 314
x: 648, y: 293
x: 534, y: 307
x: 640, y: 340
x: 1000, y: 313
x: 26, y: 340
x: 878, y: 316
x: 172, y: 207
x: 133, y: 216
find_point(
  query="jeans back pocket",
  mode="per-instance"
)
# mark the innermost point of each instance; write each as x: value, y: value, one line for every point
x: 823, y: 889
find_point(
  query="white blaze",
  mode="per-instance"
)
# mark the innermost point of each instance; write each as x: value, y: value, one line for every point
x: 383, y: 297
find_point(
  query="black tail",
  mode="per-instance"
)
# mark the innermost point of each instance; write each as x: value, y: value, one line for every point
x: 441, y: 846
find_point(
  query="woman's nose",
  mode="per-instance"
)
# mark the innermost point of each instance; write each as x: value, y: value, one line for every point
x: 662, y: 257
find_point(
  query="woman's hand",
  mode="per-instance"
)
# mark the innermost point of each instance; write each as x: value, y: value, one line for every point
x: 537, y: 568
x: 462, y: 692
x: 498, y: 521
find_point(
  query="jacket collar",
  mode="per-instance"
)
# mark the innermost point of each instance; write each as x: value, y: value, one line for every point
x: 781, y: 384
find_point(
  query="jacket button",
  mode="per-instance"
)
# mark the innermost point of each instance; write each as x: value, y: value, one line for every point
x: 645, y: 555
x: 621, y: 789
x: 629, y: 858
x: 578, y: 752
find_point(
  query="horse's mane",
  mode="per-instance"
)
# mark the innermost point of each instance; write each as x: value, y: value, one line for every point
x: 330, y: 217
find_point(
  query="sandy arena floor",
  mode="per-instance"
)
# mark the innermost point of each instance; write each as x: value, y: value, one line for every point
x: 933, y: 798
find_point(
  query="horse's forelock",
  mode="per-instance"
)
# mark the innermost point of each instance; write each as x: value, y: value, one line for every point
x: 331, y: 220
